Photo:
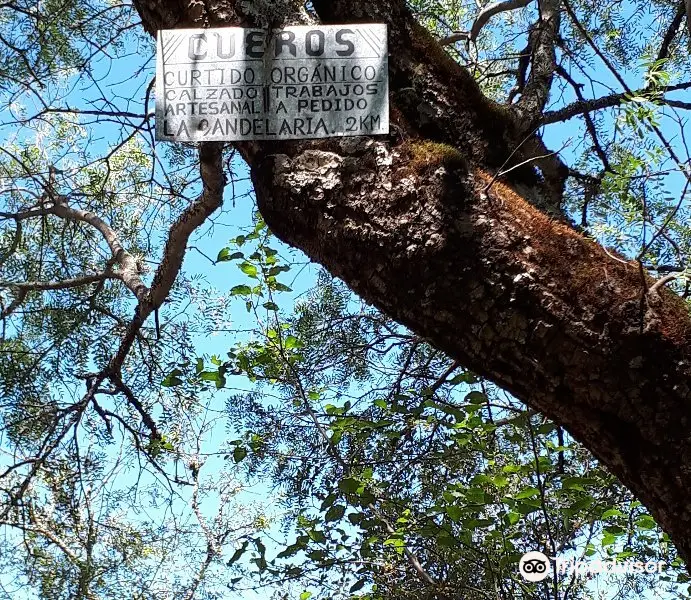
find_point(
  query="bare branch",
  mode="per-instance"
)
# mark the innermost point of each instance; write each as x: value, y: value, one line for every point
x: 482, y: 19
x: 672, y: 30
x: 35, y: 527
x: 211, y: 543
x: 128, y: 271
x: 590, y: 125
x: 42, y: 286
x: 661, y: 282
x: 608, y: 63
x: 585, y: 106
x: 211, y: 198
x: 459, y: 36
x: 542, y: 41
x: 137, y: 405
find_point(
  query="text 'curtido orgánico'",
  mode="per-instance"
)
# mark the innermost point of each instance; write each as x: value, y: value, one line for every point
x: 250, y: 84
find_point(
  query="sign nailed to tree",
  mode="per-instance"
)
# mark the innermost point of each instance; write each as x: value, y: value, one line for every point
x: 251, y: 84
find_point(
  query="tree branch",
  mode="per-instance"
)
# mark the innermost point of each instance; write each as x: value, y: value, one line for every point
x: 42, y: 286
x: 128, y: 271
x: 585, y: 106
x: 672, y: 31
x: 483, y: 18
x: 542, y: 41
x: 590, y: 125
x: 211, y: 198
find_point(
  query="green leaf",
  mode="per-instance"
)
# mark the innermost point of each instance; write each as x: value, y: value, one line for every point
x: 512, y: 518
x: 172, y: 379
x: 238, y: 553
x: 239, y: 454
x: 328, y: 501
x: 273, y: 271
x: 291, y: 550
x: 291, y: 342
x: 500, y: 481
x: 270, y: 306
x: 529, y: 492
x: 241, y: 290
x: 249, y: 269
x: 215, y: 377
x: 349, y: 485
x: 279, y: 287
x: 209, y: 376
x: 476, y: 397
x: 478, y: 496
x: 357, y: 586
x: 305, y: 595
x: 525, y: 508
x: 546, y: 428
x: 317, y: 536
x: 646, y: 522
x: 480, y: 478
x: 225, y: 255
x: 454, y: 511
x: 355, y: 518
x: 466, y: 377
x: 578, y: 483
x: 335, y: 513
x: 261, y: 548
x: 397, y: 543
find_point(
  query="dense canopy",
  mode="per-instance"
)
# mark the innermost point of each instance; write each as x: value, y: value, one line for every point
x: 365, y: 367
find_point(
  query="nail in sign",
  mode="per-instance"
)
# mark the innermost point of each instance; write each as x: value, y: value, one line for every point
x: 251, y: 84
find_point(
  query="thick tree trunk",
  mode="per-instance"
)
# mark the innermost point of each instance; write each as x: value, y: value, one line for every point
x: 416, y: 224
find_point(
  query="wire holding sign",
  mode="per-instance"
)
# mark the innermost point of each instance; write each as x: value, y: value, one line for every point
x: 301, y: 82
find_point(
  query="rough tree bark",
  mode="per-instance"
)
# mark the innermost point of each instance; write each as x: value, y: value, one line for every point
x: 419, y: 225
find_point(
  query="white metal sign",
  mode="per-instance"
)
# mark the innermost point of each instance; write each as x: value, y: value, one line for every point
x: 250, y: 84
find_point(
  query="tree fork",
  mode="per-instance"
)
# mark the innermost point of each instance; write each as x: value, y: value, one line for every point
x: 424, y: 231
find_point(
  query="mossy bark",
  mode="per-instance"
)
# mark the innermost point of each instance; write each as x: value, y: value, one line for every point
x: 417, y: 225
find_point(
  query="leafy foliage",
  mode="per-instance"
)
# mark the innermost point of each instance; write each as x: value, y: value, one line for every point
x: 386, y: 452
x: 327, y: 452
